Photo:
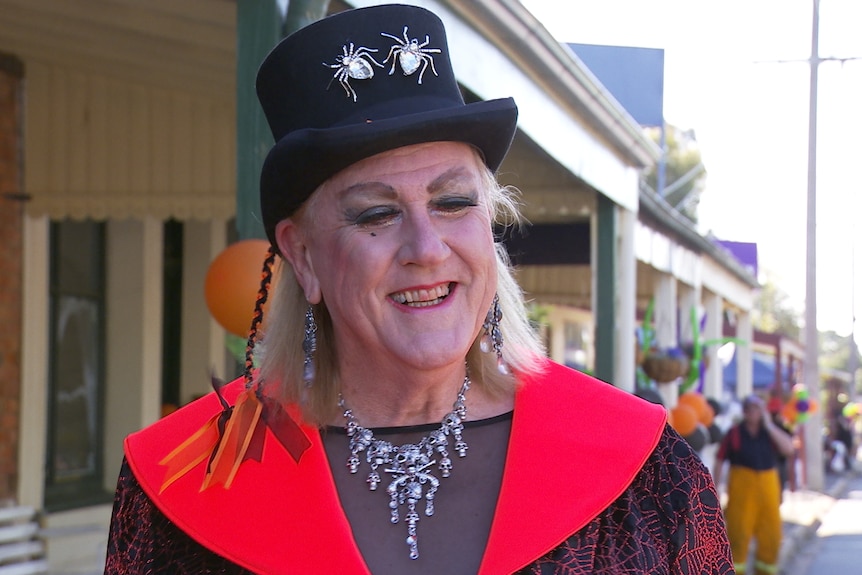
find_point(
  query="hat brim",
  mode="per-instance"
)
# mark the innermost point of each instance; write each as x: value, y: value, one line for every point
x: 304, y: 159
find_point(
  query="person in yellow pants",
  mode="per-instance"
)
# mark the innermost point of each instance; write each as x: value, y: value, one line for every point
x: 752, y: 448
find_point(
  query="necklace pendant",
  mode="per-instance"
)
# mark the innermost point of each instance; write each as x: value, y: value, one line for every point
x: 408, y: 465
x: 461, y: 448
x: 353, y: 463
x: 429, y: 502
x: 413, y: 540
x: 373, y: 481
x: 445, y: 467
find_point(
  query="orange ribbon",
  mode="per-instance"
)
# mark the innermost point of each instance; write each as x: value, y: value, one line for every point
x: 190, y: 452
x: 232, y: 436
x: 234, y: 443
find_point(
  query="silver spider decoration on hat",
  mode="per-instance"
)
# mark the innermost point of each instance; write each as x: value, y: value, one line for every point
x: 353, y: 64
x: 411, y: 54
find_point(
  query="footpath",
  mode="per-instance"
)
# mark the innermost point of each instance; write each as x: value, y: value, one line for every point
x: 802, y: 512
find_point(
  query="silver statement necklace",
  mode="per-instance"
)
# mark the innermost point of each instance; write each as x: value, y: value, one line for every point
x: 408, y: 465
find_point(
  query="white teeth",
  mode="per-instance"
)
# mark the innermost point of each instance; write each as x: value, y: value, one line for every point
x: 423, y: 297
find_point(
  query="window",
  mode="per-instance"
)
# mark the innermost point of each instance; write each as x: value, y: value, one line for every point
x: 172, y: 298
x: 74, y: 466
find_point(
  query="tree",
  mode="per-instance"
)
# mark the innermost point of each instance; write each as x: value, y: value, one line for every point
x: 685, y: 175
x: 835, y: 351
x: 773, y: 311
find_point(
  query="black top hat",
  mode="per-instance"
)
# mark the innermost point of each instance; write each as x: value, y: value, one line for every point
x: 359, y: 83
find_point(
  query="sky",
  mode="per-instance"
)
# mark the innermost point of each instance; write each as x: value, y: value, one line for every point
x: 737, y: 73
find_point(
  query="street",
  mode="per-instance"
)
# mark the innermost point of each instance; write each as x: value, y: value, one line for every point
x: 836, y: 548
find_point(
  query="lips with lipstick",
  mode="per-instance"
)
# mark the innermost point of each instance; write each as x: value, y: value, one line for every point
x: 422, y: 297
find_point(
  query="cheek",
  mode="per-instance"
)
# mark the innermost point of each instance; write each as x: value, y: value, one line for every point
x: 477, y: 244
x: 348, y: 264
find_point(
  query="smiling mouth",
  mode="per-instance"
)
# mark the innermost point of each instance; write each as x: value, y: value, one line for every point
x: 422, y: 297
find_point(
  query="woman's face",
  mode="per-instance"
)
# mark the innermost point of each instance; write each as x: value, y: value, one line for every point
x: 399, y: 247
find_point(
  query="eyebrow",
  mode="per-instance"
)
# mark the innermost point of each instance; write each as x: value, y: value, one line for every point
x: 368, y: 189
x: 454, y: 174
x: 375, y: 188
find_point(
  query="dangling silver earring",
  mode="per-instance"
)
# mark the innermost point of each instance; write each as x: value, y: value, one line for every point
x: 309, y: 346
x: 492, y: 339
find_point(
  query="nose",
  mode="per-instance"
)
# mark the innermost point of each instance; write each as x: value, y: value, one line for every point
x: 423, y: 243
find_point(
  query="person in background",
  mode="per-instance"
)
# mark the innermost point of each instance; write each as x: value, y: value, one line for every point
x: 785, y: 465
x: 404, y: 418
x: 752, y: 448
x: 841, y: 445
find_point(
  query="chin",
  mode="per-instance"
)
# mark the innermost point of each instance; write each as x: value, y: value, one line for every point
x: 434, y: 357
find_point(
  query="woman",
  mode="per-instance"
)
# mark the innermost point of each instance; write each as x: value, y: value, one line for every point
x: 403, y: 418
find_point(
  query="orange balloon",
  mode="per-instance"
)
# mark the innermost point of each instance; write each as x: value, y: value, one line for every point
x: 684, y: 419
x: 701, y: 406
x: 789, y: 413
x: 232, y: 283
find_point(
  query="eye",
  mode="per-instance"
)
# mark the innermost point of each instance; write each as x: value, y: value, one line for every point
x: 454, y: 204
x: 375, y: 216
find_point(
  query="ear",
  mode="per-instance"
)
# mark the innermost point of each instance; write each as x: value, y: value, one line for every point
x: 293, y: 246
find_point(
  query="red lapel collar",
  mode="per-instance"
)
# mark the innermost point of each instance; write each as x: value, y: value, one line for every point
x: 576, y: 444
x: 277, y: 518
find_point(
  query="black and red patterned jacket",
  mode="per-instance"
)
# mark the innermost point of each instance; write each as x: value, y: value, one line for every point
x: 629, y: 496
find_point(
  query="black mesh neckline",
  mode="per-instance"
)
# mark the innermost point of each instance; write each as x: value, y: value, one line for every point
x: 423, y: 427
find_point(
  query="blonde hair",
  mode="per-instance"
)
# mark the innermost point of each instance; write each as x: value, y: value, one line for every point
x: 281, y: 355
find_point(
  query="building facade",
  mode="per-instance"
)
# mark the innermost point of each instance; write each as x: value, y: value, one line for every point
x: 118, y: 133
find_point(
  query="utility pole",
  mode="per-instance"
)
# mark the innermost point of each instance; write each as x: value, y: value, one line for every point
x: 853, y: 362
x: 813, y: 437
